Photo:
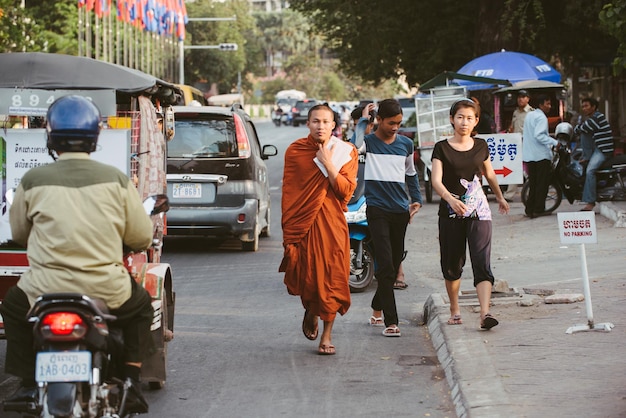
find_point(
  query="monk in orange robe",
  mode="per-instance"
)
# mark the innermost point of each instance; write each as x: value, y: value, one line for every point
x: 318, y: 182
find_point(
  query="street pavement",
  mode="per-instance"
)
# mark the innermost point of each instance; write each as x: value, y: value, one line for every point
x: 528, y: 365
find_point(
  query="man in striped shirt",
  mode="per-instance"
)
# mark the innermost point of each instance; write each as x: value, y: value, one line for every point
x: 596, y: 139
x: 390, y: 180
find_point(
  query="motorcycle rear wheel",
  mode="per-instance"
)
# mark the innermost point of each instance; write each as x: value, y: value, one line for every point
x: 553, y: 198
x: 361, y: 278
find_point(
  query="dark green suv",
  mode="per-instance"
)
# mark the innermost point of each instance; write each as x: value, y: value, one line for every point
x: 217, y: 179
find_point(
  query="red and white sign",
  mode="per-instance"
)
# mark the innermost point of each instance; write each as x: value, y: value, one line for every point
x: 577, y: 227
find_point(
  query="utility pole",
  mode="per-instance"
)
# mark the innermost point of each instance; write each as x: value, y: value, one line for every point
x: 182, y: 47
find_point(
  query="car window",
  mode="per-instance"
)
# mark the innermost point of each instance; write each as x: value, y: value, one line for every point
x: 203, y: 138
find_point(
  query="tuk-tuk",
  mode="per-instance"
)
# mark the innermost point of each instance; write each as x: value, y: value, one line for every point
x: 137, y: 121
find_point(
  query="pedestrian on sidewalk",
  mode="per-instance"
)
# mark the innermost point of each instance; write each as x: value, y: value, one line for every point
x: 517, y: 126
x: 537, y: 153
x: 458, y: 165
x: 389, y: 172
x: 596, y: 140
x: 319, y: 180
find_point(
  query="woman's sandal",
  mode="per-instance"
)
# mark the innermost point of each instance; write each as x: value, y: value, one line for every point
x: 400, y: 285
x: 392, y: 331
x: 455, y: 320
x: 488, y: 322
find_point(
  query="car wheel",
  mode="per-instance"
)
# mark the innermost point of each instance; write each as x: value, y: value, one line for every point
x: 254, y: 244
x: 265, y: 232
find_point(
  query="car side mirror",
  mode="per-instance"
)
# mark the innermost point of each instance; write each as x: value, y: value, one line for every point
x: 269, y: 151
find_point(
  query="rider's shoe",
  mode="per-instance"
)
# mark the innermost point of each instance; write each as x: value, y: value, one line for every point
x: 135, y: 402
x: 23, y: 399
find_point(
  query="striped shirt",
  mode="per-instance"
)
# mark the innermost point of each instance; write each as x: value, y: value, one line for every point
x: 389, y: 172
x: 601, y: 130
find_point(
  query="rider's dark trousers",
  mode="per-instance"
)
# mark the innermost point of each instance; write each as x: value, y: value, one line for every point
x: 388, y: 231
x: 134, y: 318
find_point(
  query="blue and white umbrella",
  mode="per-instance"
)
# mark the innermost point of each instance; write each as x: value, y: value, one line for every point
x: 506, y: 65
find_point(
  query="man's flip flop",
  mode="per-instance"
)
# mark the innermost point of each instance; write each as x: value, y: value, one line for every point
x: 488, y: 322
x: 376, y: 322
x: 311, y: 334
x: 455, y: 320
x: 326, y: 350
x: 392, y: 331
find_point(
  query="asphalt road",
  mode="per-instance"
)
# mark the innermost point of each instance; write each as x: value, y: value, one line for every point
x: 239, y: 351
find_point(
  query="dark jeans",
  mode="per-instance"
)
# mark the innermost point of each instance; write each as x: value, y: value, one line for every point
x: 134, y: 318
x: 387, y: 230
x: 539, y: 173
x: 454, y: 237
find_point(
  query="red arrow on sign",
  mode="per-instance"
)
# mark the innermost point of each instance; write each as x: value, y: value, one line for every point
x: 504, y: 171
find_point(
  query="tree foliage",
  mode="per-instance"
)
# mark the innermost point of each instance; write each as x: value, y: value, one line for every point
x: 214, y: 65
x: 59, y: 24
x: 613, y: 18
x: 422, y: 38
x: 19, y: 30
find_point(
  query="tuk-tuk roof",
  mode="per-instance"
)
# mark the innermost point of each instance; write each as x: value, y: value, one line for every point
x: 38, y: 70
x: 530, y: 85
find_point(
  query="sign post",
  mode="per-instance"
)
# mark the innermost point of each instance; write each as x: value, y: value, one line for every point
x: 580, y: 228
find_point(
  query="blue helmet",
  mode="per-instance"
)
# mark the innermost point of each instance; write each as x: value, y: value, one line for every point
x: 73, y: 125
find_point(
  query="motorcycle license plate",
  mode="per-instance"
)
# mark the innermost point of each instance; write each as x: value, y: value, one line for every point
x: 187, y: 190
x: 63, y: 366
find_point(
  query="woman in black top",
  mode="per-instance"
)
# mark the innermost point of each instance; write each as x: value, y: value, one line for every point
x: 458, y: 165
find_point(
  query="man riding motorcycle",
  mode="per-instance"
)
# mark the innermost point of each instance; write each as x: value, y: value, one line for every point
x: 75, y: 216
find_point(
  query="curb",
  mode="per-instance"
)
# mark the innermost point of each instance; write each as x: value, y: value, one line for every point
x: 467, y: 366
x: 611, y: 211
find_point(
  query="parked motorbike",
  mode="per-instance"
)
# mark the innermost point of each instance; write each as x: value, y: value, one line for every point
x: 568, y: 174
x: 361, y: 248
x: 79, y: 355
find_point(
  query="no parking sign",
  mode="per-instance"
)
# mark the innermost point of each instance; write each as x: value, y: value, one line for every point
x: 577, y: 227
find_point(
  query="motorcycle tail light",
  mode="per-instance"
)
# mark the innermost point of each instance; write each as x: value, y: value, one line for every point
x: 63, y: 326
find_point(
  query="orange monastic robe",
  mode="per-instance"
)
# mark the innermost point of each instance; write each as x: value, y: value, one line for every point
x: 315, y: 233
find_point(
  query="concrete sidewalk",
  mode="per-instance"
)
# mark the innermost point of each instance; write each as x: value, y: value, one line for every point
x: 528, y: 366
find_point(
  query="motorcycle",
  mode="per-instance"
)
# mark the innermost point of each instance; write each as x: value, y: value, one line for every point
x: 568, y: 175
x: 361, y: 248
x: 280, y: 117
x: 79, y: 359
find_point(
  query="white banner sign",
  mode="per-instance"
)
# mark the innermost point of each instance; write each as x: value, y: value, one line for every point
x: 577, y: 227
x: 26, y: 148
x: 505, y: 151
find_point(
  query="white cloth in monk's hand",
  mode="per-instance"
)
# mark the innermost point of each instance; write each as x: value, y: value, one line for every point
x: 341, y: 154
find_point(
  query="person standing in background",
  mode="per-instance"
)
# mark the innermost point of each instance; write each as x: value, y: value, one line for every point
x: 318, y: 181
x: 517, y: 126
x: 537, y: 152
x: 596, y: 140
